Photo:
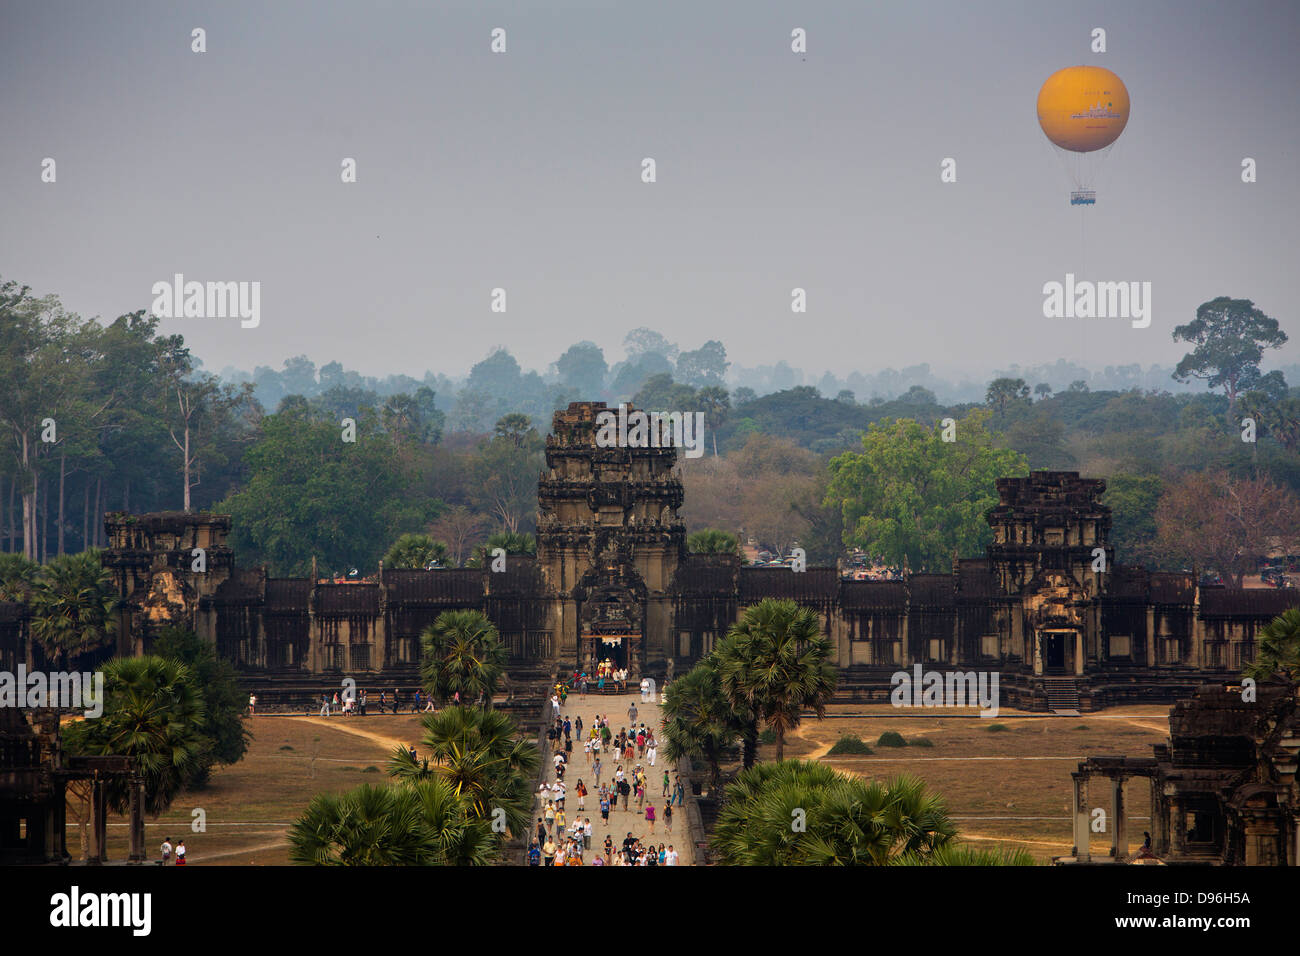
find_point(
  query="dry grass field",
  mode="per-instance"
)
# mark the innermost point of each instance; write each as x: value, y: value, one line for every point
x: 1006, y: 787
x: 249, y: 807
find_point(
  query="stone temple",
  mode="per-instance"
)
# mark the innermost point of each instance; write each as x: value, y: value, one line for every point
x: 613, y: 578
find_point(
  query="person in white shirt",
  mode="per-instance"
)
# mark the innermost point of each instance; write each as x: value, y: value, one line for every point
x: 586, y: 832
x: 670, y: 858
x: 166, y: 851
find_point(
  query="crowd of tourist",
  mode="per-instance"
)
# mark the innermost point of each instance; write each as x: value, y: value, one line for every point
x: 564, y: 840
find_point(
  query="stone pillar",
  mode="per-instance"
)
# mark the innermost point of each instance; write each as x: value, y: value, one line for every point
x: 137, y: 821
x: 1082, y: 853
x: 1119, y: 834
x: 1078, y: 653
x: 98, y: 823
x: 1178, y: 821
x: 1038, y: 653
x: 1159, y: 820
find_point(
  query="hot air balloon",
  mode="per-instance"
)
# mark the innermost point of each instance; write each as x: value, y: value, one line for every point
x: 1083, y: 109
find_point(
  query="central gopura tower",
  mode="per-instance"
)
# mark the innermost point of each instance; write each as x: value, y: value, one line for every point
x: 609, y: 541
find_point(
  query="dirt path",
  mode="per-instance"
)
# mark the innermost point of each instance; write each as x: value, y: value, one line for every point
x: 203, y: 858
x: 344, y: 725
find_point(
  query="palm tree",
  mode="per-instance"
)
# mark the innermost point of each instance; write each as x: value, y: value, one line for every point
x: 803, y: 813
x: 482, y: 755
x: 415, y: 552
x: 72, y: 606
x: 368, y: 826
x: 154, y: 711
x: 698, y: 721
x: 462, y: 653
x: 17, y: 578
x: 1278, y: 654
x: 713, y: 541
x: 511, y: 542
x: 775, y: 663
x: 961, y: 855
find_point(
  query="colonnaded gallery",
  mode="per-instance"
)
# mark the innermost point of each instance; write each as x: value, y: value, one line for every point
x: 613, y: 578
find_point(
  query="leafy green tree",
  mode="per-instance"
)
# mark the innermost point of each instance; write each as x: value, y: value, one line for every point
x: 413, y: 418
x: 223, y: 719
x: 775, y: 664
x: 583, y: 368
x: 72, y: 605
x: 699, y: 721
x: 712, y: 541
x: 705, y: 366
x: 642, y: 341
x: 1005, y: 392
x: 1277, y: 656
x: 505, y: 470
x: 911, y: 497
x: 311, y: 493
x: 462, y: 653
x: 1133, y: 500
x: 661, y: 394
x: 1230, y: 337
x: 847, y: 821
x: 154, y: 711
x: 415, y: 552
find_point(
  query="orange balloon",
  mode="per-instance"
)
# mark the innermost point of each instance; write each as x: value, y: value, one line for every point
x: 1083, y: 108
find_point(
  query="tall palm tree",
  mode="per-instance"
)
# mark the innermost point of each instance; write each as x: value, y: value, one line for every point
x: 462, y: 653
x: 1278, y: 654
x: 776, y: 663
x: 72, y: 606
x: 482, y: 755
x: 154, y: 711
x: 698, y: 721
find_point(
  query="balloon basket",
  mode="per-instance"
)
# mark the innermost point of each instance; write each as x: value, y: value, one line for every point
x: 1083, y: 197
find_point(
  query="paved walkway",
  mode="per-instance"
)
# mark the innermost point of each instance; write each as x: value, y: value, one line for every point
x: 620, y: 821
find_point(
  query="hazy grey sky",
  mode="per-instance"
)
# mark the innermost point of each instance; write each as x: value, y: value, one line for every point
x: 522, y: 170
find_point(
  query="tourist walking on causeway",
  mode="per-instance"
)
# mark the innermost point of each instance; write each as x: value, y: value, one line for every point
x: 668, y: 817
x: 631, y: 713
x: 650, y: 816
x: 166, y: 850
x: 180, y: 853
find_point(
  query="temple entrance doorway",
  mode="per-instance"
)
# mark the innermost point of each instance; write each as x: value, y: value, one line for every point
x: 1054, y: 652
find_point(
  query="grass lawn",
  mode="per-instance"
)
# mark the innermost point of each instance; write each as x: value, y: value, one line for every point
x: 979, y: 790
x: 249, y: 807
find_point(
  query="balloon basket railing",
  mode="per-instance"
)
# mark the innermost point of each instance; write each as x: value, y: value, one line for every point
x: 1083, y: 197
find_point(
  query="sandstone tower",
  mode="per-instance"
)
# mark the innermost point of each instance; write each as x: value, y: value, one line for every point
x: 609, y: 541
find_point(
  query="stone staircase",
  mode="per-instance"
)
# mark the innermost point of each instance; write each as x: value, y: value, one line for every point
x: 1062, y: 695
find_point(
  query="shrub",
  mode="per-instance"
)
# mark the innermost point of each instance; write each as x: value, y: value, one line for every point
x: 891, y: 739
x: 286, y: 747
x: 371, y: 769
x: 767, y: 737
x: 848, y: 744
x: 920, y: 742
x: 997, y: 728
